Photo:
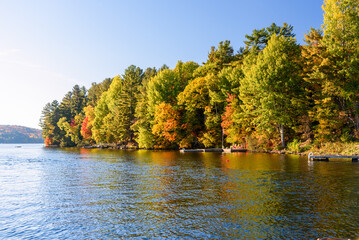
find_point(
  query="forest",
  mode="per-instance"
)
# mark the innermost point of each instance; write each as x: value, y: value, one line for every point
x: 272, y: 93
x: 19, y: 134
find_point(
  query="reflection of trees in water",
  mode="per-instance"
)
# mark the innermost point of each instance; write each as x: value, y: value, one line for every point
x: 282, y: 190
x: 197, y: 188
x: 335, y: 197
x: 239, y: 194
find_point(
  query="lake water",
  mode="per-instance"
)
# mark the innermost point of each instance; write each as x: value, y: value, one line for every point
x: 105, y: 194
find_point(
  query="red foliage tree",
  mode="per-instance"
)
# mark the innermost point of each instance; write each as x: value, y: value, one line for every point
x: 73, y: 123
x: 48, y: 141
x: 227, y: 117
x: 166, y: 125
x: 85, y: 131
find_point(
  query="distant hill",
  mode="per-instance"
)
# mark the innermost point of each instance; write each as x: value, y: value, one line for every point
x: 19, y: 134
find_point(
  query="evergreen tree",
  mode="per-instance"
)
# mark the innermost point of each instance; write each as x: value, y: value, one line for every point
x: 65, y: 106
x: 96, y: 90
x: 260, y: 37
x: 124, y: 107
x: 78, y: 100
x: 222, y: 55
x: 142, y: 127
x: 48, y: 122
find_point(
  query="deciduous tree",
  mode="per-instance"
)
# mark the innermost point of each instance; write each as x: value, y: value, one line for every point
x: 271, y: 90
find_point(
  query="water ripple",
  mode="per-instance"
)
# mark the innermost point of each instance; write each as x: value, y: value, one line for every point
x: 92, y: 194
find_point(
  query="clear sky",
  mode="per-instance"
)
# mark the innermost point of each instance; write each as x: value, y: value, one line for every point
x: 46, y: 47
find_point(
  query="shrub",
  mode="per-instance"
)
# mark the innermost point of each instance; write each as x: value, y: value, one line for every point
x: 294, y: 146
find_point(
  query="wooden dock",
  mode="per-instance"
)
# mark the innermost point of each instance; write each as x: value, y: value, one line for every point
x: 226, y: 150
x: 191, y: 150
x: 202, y: 150
x: 354, y: 158
x: 230, y: 150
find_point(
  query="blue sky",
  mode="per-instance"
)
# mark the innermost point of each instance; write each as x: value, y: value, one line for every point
x: 46, y: 47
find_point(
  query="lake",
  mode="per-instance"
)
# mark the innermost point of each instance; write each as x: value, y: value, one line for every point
x: 50, y: 193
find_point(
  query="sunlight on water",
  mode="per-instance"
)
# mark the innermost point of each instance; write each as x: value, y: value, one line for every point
x: 96, y: 194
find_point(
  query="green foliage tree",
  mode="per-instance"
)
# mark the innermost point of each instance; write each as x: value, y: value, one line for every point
x: 78, y: 100
x: 271, y: 89
x: 204, y: 98
x: 221, y: 55
x: 228, y: 95
x: 142, y: 126
x: 340, y: 37
x: 324, y: 110
x: 104, y: 128
x: 164, y: 87
x: 65, y: 106
x: 124, y: 107
x: 71, y: 108
x: 270, y: 86
x: 194, y: 99
x: 96, y: 90
x: 72, y: 135
x: 260, y: 37
x: 48, y: 122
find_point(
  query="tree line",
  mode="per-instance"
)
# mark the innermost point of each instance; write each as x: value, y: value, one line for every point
x: 19, y: 134
x: 270, y: 93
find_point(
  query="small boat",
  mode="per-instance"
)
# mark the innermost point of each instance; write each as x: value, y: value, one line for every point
x: 17, y: 146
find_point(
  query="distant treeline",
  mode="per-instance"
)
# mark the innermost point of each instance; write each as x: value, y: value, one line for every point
x: 270, y: 92
x: 19, y: 134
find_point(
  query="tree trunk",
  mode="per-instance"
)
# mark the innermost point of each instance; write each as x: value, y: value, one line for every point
x: 356, y: 116
x: 281, y: 131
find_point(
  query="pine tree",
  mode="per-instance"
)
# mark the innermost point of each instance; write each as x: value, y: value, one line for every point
x: 48, y: 122
x: 124, y: 108
x: 78, y: 100
x: 96, y: 90
x: 142, y: 128
x: 259, y: 38
x: 65, y: 106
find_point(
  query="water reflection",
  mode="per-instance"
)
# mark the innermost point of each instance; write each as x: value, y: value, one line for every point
x: 92, y: 193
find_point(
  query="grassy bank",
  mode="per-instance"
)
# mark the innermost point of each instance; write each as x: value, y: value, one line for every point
x: 351, y: 148
x: 336, y: 148
x: 298, y: 147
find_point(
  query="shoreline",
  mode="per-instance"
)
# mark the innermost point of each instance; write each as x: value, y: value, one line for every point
x: 322, y: 149
x: 173, y: 149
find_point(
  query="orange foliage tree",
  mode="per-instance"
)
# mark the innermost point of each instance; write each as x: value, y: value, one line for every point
x: 48, y: 141
x: 167, y: 125
x: 227, y: 116
x: 86, y: 128
x: 233, y: 128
